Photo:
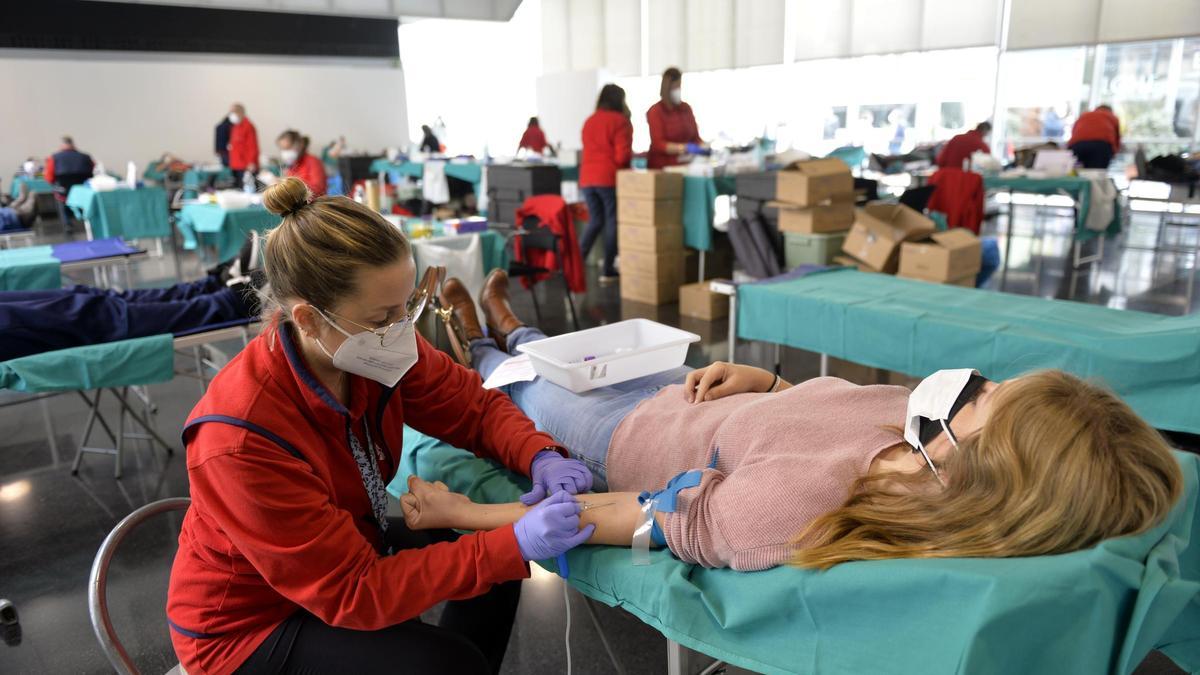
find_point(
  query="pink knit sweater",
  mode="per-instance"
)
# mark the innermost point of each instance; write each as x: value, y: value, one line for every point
x: 782, y: 460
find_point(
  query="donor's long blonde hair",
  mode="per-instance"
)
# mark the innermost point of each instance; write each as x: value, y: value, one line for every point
x: 1059, y: 465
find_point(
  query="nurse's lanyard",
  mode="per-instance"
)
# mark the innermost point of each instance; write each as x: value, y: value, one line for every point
x: 372, y: 481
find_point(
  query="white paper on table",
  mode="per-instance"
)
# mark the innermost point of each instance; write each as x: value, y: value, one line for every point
x: 515, y: 369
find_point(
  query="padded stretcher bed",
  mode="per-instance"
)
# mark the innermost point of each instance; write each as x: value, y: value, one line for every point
x: 915, y: 328
x: 1093, y: 611
x: 41, y: 267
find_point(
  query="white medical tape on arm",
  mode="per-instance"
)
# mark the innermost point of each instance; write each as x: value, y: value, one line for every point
x: 640, y: 546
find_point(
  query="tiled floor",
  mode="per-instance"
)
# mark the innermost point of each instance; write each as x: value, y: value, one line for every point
x: 51, y: 523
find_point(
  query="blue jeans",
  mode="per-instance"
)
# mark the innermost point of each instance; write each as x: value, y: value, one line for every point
x: 602, y: 217
x: 583, y: 423
x: 32, y: 322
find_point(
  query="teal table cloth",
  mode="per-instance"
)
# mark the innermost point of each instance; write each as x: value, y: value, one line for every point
x: 496, y: 254
x: 699, y: 197
x: 29, y: 269
x: 36, y: 184
x: 1079, y: 189
x: 225, y: 229
x: 852, y: 155
x: 132, y: 214
x: 1094, y: 611
x: 569, y: 173
x: 913, y: 327
x: 125, y: 363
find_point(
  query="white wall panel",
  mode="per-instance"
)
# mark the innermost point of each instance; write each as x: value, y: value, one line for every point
x: 709, y: 37
x: 667, y: 24
x: 1053, y: 23
x: 556, y: 37
x: 758, y: 33
x: 951, y: 24
x: 885, y: 26
x: 584, y: 21
x: 822, y: 29
x: 623, y: 36
x: 1127, y: 20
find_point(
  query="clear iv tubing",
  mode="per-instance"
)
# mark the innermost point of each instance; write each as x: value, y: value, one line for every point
x: 567, y: 639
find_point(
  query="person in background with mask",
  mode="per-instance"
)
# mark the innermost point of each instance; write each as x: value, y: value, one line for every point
x: 673, y: 131
x: 759, y: 472
x: 288, y: 561
x: 243, y: 143
x: 293, y: 152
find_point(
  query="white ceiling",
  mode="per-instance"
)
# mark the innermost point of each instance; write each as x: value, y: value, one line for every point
x: 480, y: 10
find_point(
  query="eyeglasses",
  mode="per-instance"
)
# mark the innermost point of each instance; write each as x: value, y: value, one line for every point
x: 413, y: 308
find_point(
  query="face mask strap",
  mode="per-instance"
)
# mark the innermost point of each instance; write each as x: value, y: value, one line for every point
x: 949, y: 434
x: 932, y: 466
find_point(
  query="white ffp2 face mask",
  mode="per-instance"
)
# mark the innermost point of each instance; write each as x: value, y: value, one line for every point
x: 363, y: 354
x: 289, y: 156
x: 934, y: 399
x: 29, y: 167
x: 676, y: 96
x: 234, y: 118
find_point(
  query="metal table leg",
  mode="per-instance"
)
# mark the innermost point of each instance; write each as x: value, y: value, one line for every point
x: 677, y: 659
x: 1007, y: 241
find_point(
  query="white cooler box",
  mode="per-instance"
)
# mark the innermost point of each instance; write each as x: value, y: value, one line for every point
x: 606, y: 355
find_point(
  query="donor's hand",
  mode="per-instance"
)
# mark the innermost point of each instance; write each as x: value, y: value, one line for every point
x: 428, y: 506
x: 725, y: 379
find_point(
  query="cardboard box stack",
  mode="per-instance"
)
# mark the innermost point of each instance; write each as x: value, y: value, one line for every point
x: 814, y: 201
x: 879, y: 230
x: 650, y: 235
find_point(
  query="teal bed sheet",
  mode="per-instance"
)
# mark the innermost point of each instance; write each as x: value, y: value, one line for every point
x: 914, y: 327
x: 124, y: 363
x: 225, y: 228
x: 31, y: 268
x: 36, y: 184
x: 1092, y: 611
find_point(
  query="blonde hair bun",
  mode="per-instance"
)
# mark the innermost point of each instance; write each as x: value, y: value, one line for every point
x: 287, y: 196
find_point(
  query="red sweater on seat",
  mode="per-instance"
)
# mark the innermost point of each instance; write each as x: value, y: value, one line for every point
x: 607, y: 148
x: 270, y: 533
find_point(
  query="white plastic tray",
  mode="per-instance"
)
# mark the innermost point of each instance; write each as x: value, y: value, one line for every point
x: 607, y: 355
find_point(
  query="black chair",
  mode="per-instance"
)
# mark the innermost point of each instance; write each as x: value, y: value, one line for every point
x: 534, y: 235
x: 917, y: 198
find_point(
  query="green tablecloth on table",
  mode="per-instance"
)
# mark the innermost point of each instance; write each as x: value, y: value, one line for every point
x: 131, y: 214
x: 226, y: 229
x: 699, y: 195
x: 1151, y: 361
x: 36, y: 184
x: 1078, y: 188
x: 125, y: 363
x: 1094, y: 611
x: 30, y: 268
x: 471, y: 172
x: 569, y: 173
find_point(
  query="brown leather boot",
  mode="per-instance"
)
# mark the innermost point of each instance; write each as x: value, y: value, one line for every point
x: 497, y: 312
x: 457, y: 312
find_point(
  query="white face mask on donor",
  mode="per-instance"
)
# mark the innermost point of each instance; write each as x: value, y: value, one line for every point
x: 934, y: 400
x: 364, y: 353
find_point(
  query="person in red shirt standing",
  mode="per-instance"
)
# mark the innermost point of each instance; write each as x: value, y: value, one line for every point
x: 1096, y: 137
x: 293, y: 152
x: 534, y: 139
x: 287, y: 560
x: 607, y: 147
x: 673, y: 130
x: 243, y: 143
x: 958, y: 150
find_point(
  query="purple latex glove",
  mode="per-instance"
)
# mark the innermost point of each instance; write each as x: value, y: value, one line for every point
x: 551, y: 473
x: 551, y: 528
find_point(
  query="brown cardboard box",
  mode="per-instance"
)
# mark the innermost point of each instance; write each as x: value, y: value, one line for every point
x: 878, y: 231
x: 696, y: 301
x: 649, y: 238
x: 649, y: 184
x: 638, y: 210
x: 666, y: 266
x: 648, y: 289
x: 953, y: 254
x: 966, y: 282
x: 815, y: 181
x: 835, y: 216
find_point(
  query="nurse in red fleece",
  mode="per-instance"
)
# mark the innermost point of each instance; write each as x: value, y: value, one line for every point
x: 673, y: 131
x: 287, y: 560
x: 293, y: 152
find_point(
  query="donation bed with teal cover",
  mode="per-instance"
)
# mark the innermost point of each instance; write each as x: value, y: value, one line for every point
x: 35, y: 268
x: 1099, y: 610
x: 122, y: 212
x: 914, y: 327
x: 225, y: 229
